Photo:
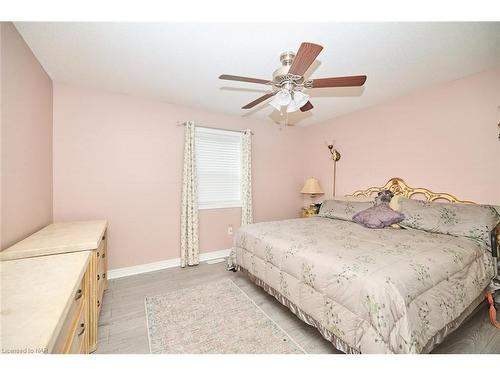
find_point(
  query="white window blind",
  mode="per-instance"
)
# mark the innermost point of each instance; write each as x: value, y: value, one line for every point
x: 218, y: 161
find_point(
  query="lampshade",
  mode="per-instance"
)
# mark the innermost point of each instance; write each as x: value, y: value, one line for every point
x: 283, y: 97
x: 300, y: 98
x: 312, y: 186
x: 292, y: 107
x: 275, y: 104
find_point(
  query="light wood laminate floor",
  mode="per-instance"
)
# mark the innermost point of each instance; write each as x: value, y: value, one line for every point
x: 122, y: 326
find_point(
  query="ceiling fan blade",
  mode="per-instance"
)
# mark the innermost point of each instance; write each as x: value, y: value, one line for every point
x: 258, y: 100
x: 306, y: 55
x: 338, y: 81
x: 244, y: 79
x: 306, y: 107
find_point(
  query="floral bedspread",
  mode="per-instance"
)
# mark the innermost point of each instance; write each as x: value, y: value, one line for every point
x: 378, y: 290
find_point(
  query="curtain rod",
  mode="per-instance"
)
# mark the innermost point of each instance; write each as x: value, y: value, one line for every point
x: 210, y: 127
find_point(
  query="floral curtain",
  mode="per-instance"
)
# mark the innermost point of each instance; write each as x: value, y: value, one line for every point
x: 246, y: 189
x: 189, y: 211
x: 246, y: 180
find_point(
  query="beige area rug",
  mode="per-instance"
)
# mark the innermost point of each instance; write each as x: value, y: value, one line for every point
x: 215, y: 318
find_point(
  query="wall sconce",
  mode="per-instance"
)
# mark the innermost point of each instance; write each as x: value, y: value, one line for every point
x: 335, y: 155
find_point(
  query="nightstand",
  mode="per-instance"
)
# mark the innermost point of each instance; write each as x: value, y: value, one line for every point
x: 309, y: 211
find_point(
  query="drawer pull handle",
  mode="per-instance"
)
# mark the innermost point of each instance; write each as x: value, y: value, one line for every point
x: 83, y: 329
x: 98, y: 303
x: 103, y: 238
x: 78, y: 294
x: 103, y: 255
x: 98, y: 277
x: 104, y: 276
x: 98, y: 254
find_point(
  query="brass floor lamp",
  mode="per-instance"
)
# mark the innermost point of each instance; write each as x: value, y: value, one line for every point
x: 335, y: 157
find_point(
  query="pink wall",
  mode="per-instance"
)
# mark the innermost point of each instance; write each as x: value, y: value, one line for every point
x: 444, y: 138
x: 26, y: 123
x: 119, y: 158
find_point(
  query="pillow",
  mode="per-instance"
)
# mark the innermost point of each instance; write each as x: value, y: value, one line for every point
x: 456, y: 219
x: 379, y: 216
x: 350, y: 198
x: 343, y: 210
x: 394, y: 204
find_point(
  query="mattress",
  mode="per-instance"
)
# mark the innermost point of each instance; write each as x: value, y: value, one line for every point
x: 367, y: 290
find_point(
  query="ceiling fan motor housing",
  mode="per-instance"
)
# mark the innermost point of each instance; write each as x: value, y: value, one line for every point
x: 281, y: 76
x: 286, y: 58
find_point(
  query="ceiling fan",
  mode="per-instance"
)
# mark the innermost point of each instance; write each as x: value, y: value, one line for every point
x: 288, y: 83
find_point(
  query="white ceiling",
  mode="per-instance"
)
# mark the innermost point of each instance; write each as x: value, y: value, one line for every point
x: 180, y: 62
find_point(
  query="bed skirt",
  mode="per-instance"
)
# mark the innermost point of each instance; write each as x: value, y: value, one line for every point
x: 341, y: 345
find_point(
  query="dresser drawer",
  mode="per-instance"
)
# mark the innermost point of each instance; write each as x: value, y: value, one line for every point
x: 101, y: 272
x: 101, y: 250
x: 99, y: 283
x: 78, y: 342
x: 74, y: 312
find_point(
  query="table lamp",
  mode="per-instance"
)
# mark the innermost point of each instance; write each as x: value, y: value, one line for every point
x: 312, y: 187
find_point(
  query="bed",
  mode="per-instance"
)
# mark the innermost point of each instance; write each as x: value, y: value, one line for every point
x: 369, y: 290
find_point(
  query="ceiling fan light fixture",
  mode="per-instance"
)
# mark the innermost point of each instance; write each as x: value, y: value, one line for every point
x: 292, y: 107
x: 282, y: 98
x: 300, y: 98
x: 274, y: 103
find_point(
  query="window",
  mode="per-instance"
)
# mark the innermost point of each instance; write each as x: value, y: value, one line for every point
x: 218, y: 161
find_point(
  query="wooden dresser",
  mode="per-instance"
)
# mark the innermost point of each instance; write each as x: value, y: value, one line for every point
x: 45, y: 304
x: 72, y: 237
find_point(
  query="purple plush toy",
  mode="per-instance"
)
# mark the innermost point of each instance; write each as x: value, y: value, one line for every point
x: 380, y: 215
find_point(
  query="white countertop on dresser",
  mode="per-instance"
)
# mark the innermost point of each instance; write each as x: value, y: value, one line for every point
x: 58, y: 238
x: 36, y: 294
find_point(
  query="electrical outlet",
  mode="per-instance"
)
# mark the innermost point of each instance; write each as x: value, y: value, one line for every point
x: 230, y: 230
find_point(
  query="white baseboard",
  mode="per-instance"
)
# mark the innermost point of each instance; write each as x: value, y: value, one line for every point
x: 163, y: 264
